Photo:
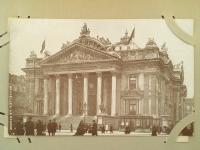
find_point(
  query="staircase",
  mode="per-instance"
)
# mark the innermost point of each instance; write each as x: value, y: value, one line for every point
x: 66, y: 121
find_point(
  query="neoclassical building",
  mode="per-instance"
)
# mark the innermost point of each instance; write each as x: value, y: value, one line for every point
x: 118, y: 84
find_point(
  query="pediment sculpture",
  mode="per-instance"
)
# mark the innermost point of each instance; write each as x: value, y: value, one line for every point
x: 78, y: 55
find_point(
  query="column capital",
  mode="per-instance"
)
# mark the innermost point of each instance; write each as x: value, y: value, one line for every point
x: 46, y: 76
x: 69, y: 75
x: 99, y: 74
x: 85, y: 74
x: 57, y: 75
x: 114, y: 73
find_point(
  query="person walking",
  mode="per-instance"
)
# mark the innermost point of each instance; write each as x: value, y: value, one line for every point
x: 39, y: 127
x: 94, y: 128
x: 127, y: 129
x: 19, y: 128
x: 154, y: 131
x: 54, y: 127
x: 29, y: 127
x: 60, y: 127
x: 49, y: 127
x: 111, y: 129
x: 107, y: 128
x: 71, y: 128
x: 103, y: 129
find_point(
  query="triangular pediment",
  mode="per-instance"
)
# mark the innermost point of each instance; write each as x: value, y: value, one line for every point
x: 78, y: 53
x: 131, y: 93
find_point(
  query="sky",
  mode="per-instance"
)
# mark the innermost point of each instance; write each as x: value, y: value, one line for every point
x: 27, y: 35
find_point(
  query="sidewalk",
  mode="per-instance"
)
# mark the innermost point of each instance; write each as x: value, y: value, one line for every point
x: 115, y: 133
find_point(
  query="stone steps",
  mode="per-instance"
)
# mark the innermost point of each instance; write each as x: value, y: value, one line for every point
x: 66, y: 121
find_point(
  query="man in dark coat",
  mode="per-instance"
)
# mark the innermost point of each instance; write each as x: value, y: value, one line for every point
x: 29, y: 127
x: 49, y: 127
x: 71, y: 127
x: 154, y: 131
x: 94, y: 128
x: 103, y: 129
x: 19, y: 128
x: 54, y: 127
x: 111, y: 129
x: 127, y: 129
x: 39, y: 127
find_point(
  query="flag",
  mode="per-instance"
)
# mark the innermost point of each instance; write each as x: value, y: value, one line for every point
x: 132, y: 35
x: 43, y: 47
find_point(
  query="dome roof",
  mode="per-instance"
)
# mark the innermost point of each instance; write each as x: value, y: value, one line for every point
x: 124, y: 47
x: 127, y: 42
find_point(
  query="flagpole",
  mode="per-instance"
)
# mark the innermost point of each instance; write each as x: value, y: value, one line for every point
x: 132, y: 35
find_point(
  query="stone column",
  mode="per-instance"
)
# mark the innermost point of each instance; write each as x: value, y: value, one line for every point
x: 114, y: 94
x: 69, y: 94
x: 139, y: 106
x: 149, y: 106
x: 99, y: 91
x: 105, y: 94
x: 85, y: 92
x: 57, y: 95
x: 45, y: 111
x: 124, y: 105
x: 157, y: 107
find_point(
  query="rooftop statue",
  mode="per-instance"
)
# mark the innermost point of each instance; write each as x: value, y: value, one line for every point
x: 85, y: 30
x: 33, y: 54
x: 151, y: 43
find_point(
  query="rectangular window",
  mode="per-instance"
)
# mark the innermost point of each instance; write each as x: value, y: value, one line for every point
x: 132, y: 107
x: 132, y: 82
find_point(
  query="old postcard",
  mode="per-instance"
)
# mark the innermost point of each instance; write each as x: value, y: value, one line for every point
x: 115, y: 77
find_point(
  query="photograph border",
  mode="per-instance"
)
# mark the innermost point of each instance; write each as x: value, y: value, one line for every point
x: 26, y: 8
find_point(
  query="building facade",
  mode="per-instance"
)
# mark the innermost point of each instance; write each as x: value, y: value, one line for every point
x: 117, y: 83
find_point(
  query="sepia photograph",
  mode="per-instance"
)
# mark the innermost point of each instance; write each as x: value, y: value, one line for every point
x: 98, y: 77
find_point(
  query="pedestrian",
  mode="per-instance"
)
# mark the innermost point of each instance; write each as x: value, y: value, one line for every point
x: 39, y: 127
x: 19, y: 128
x: 49, y: 127
x: 54, y: 127
x: 29, y: 127
x: 80, y: 130
x: 111, y: 129
x: 159, y: 129
x: 154, y: 131
x: 71, y: 128
x: 107, y: 128
x: 94, y: 128
x: 103, y: 129
x: 60, y: 127
x: 127, y: 129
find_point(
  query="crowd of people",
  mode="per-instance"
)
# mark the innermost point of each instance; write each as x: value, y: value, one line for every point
x: 93, y: 129
x: 86, y: 128
x: 39, y: 128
